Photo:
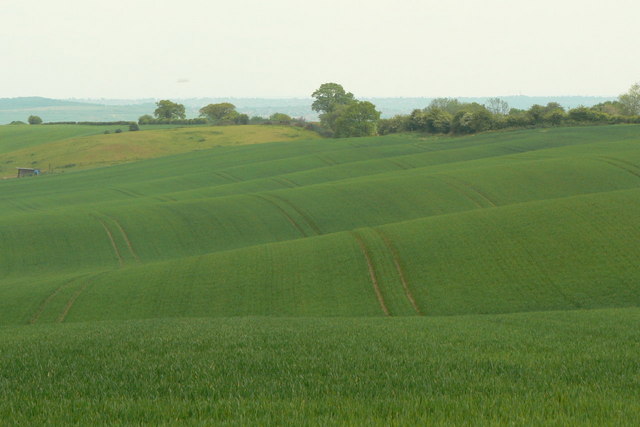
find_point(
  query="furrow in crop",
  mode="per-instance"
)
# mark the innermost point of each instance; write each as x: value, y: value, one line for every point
x: 231, y: 177
x: 625, y: 166
x: 463, y: 192
x: 46, y: 301
x: 127, y: 193
x: 329, y: 159
x: 284, y: 213
x: 282, y: 182
x: 126, y: 239
x: 306, y: 217
x: 325, y: 161
x: 398, y: 164
x: 372, y: 273
x: 477, y: 191
x: 396, y: 260
x: 71, y: 301
x: 113, y: 242
x: 631, y: 165
x: 293, y: 184
x: 226, y: 177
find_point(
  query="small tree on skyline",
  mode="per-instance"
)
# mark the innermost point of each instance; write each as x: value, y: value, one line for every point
x: 34, y: 120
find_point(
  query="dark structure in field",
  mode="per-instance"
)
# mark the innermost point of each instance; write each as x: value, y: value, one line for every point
x: 22, y: 172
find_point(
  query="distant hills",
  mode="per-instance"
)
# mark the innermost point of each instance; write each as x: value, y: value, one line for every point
x: 54, y: 110
x: 37, y: 102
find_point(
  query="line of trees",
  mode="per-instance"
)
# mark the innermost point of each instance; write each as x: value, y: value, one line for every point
x: 116, y: 123
x: 342, y: 115
x: 449, y: 116
x: 169, y: 112
x: 225, y: 113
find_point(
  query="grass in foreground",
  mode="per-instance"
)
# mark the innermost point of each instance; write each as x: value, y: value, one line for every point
x: 555, y: 368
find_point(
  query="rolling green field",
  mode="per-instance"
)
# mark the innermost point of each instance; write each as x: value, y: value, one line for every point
x: 400, y: 280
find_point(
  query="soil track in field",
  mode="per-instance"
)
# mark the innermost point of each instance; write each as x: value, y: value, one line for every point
x: 477, y: 191
x: 620, y: 164
x: 372, y: 272
x: 304, y: 216
x: 126, y: 239
x: 284, y: 213
x: 396, y: 260
x: 113, y: 242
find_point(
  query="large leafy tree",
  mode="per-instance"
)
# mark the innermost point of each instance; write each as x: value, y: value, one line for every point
x: 280, y: 118
x: 472, y: 118
x: 359, y: 118
x: 631, y: 100
x: 329, y: 97
x: 219, y: 112
x: 169, y: 110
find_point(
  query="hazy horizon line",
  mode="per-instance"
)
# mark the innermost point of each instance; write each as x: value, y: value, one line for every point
x: 309, y: 97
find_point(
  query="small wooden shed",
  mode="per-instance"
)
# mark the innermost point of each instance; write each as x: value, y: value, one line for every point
x: 22, y: 172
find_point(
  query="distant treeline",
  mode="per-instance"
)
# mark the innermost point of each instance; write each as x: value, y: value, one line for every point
x: 118, y: 123
x: 449, y: 116
x: 342, y: 115
x: 148, y: 120
x: 222, y: 114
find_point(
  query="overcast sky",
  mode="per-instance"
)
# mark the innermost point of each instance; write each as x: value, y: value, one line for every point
x: 287, y: 48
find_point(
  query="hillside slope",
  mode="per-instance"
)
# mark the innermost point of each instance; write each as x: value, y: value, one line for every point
x: 63, y: 148
x: 387, y: 226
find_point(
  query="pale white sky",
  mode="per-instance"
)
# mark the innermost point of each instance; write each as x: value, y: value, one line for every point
x: 287, y: 48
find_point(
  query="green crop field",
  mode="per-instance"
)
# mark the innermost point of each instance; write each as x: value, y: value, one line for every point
x: 488, y: 279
